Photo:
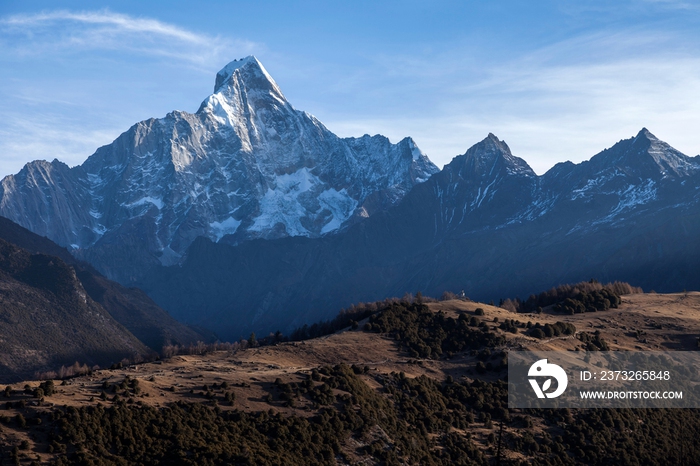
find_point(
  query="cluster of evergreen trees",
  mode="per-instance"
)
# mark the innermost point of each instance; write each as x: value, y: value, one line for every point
x: 352, y: 422
x: 570, y: 299
x: 552, y: 330
x: 429, y: 334
x: 345, y: 318
x: 408, y: 421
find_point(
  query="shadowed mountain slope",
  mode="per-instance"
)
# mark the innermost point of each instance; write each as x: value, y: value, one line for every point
x: 48, y: 319
x: 485, y: 224
x: 131, y: 307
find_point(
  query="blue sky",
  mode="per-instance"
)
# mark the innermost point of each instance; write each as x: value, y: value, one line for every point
x: 557, y: 80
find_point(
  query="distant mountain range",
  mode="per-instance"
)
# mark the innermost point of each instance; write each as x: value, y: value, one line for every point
x: 486, y: 224
x: 250, y: 215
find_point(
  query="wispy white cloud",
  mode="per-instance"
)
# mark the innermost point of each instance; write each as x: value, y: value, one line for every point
x: 121, y: 21
x: 95, y: 87
x: 95, y: 30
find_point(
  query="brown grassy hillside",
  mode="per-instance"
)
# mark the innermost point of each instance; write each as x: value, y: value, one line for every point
x: 430, y: 403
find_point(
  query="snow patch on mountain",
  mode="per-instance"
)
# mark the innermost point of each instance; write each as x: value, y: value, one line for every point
x: 594, y: 184
x: 225, y: 227
x: 341, y: 206
x: 299, y: 196
x: 538, y: 208
x: 158, y: 203
x: 632, y: 197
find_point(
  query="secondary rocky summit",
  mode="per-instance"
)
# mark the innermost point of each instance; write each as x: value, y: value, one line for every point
x: 246, y: 165
x: 485, y: 224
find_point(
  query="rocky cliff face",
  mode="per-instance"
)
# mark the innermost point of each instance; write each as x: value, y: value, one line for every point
x: 246, y: 165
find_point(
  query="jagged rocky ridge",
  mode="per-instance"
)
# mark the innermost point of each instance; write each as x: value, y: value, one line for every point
x: 486, y: 224
x: 246, y: 165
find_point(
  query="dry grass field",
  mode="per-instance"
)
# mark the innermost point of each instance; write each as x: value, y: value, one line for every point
x: 653, y: 322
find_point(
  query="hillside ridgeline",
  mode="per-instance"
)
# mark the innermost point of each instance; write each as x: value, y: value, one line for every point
x: 362, y: 397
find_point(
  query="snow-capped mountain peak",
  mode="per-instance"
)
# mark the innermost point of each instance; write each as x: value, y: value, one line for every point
x: 644, y: 156
x: 246, y: 165
x: 492, y: 157
x: 226, y: 73
x: 245, y: 96
x: 247, y: 73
